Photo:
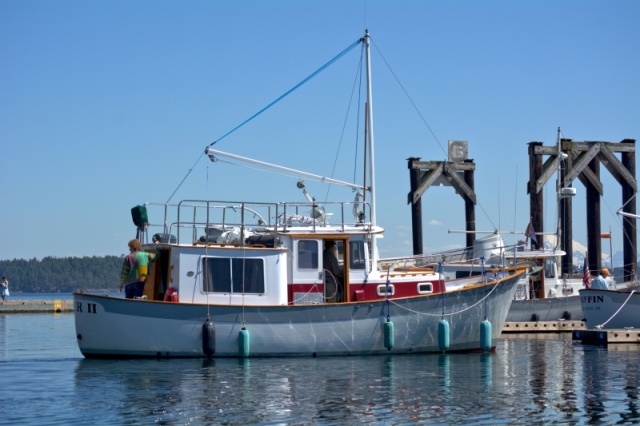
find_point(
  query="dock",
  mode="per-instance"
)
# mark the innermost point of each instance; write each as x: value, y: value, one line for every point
x: 560, y: 326
x: 36, y: 306
x: 603, y: 337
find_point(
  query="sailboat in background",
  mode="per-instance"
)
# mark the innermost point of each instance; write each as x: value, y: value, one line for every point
x: 542, y: 293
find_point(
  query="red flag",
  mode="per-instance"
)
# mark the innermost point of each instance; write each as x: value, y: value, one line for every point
x: 585, y: 274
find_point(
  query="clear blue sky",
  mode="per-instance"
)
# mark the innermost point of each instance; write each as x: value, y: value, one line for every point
x: 107, y: 104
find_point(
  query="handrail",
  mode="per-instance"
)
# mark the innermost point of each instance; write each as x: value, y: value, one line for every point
x: 212, y: 218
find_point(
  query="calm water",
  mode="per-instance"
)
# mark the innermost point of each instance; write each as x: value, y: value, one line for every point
x: 530, y: 379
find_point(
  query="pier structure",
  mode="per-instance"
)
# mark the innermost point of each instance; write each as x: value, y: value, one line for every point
x: 582, y: 160
x: 35, y: 306
x: 457, y: 172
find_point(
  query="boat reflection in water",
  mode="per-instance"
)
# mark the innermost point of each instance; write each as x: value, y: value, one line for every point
x: 540, y: 380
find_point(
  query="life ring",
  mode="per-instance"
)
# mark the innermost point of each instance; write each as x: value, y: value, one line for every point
x: 171, y: 295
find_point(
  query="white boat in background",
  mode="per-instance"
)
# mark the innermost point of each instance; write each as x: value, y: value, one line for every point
x: 541, y: 295
x: 611, y: 309
x: 244, y: 279
x: 616, y: 308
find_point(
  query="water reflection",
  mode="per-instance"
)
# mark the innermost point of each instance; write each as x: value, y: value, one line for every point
x: 532, y: 379
x: 632, y: 374
x: 326, y: 390
x: 535, y: 379
x: 595, y: 391
x: 611, y: 378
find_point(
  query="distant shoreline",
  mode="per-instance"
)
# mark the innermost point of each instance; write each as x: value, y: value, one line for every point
x: 25, y: 296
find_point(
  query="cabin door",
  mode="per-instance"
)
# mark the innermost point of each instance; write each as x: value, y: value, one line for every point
x: 158, y: 279
x: 335, y: 262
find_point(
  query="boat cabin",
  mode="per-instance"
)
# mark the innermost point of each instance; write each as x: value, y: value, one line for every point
x: 269, y: 254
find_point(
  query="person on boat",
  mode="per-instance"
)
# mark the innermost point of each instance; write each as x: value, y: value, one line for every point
x: 4, y: 288
x: 333, y: 279
x: 135, y: 269
x: 600, y: 281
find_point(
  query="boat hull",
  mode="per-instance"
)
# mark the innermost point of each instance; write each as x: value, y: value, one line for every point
x: 611, y: 309
x: 552, y: 309
x: 108, y: 327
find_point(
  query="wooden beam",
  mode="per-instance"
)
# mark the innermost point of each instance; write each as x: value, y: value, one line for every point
x: 425, y: 183
x: 429, y: 165
x: 582, y: 171
x: 613, y: 146
x: 581, y: 162
x: 549, y: 169
x: 584, y: 146
x: 615, y: 167
x: 458, y: 182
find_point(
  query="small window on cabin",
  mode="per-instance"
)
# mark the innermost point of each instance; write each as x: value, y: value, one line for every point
x: 308, y: 254
x: 425, y: 288
x: 226, y: 275
x: 356, y: 253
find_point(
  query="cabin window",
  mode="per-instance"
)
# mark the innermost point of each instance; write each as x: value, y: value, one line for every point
x: 425, y: 288
x: 386, y: 290
x: 550, y: 268
x: 308, y: 254
x: 227, y: 275
x: 356, y: 252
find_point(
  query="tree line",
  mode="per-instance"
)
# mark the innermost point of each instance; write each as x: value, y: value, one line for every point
x: 62, y: 274
x: 66, y: 274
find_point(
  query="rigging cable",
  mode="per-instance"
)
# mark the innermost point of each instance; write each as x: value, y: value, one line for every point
x: 409, y: 97
x: 358, y: 78
x: 322, y: 68
x: 415, y: 107
x: 184, y: 178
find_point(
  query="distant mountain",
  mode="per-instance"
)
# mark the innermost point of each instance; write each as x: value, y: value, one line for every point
x: 618, y: 258
x: 579, y: 250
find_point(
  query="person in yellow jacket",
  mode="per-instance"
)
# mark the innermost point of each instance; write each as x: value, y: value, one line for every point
x: 135, y: 269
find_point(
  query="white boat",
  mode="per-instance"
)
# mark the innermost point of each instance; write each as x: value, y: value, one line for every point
x: 541, y: 295
x: 611, y: 309
x: 616, y: 308
x: 242, y: 279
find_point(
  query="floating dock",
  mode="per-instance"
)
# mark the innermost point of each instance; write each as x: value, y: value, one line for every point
x: 603, y: 337
x: 36, y: 306
x: 560, y: 326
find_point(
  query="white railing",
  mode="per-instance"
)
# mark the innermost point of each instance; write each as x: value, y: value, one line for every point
x: 202, y: 221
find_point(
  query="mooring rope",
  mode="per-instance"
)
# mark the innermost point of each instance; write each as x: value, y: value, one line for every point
x: 452, y: 313
x: 616, y: 313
